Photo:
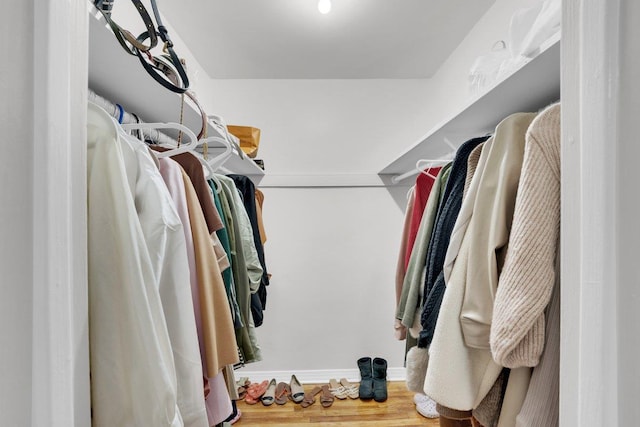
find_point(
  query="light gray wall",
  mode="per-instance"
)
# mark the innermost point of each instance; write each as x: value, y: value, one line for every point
x: 16, y: 214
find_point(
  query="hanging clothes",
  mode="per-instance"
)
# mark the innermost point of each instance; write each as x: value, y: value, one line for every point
x: 245, y: 264
x: 217, y: 324
x: 133, y: 377
x: 445, y: 220
x: 422, y: 190
x: 469, y: 370
x: 259, y: 203
x: 527, y: 284
x: 227, y: 274
x: 248, y: 193
x: 166, y: 244
x: 412, y: 288
x: 400, y: 331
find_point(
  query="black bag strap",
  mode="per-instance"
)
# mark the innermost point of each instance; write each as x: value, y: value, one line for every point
x: 124, y: 36
x: 167, y: 70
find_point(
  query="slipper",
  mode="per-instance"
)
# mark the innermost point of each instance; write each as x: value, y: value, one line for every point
x: 242, y: 386
x: 297, y: 392
x: 326, y: 399
x: 337, y: 390
x: 351, y: 389
x: 255, y: 392
x: 309, y: 397
x: 283, y: 391
x: 269, y: 395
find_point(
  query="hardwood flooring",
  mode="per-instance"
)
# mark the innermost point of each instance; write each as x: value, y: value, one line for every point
x: 398, y: 410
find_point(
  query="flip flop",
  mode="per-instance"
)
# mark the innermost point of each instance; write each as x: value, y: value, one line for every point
x: 309, y: 397
x: 283, y: 391
x: 351, y: 389
x: 297, y: 392
x: 326, y: 399
x: 337, y: 390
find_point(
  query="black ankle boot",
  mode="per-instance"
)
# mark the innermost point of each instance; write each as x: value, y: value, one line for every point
x: 379, y: 369
x: 366, y: 381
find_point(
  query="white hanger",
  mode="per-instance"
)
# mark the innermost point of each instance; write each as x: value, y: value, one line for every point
x: 183, y: 148
x: 216, y: 162
x: 424, y: 169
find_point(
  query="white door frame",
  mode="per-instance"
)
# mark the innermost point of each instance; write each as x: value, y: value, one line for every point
x: 44, y: 362
x: 600, y: 347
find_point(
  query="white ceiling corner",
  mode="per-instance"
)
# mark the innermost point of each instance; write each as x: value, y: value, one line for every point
x: 290, y: 39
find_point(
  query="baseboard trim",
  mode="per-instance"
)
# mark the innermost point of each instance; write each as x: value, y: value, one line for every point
x: 316, y: 376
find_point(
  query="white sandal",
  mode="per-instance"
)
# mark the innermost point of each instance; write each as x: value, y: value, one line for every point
x: 351, y: 389
x: 336, y: 389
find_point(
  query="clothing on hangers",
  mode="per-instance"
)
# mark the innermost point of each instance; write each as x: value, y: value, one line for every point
x: 494, y: 282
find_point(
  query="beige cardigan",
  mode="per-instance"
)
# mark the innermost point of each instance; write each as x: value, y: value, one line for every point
x: 517, y: 332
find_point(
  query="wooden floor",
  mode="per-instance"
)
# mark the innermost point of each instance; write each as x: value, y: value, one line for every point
x: 398, y: 410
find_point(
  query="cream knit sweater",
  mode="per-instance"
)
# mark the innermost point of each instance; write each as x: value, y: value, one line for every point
x: 528, y: 274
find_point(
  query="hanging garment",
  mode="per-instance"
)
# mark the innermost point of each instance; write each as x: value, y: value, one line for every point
x: 247, y: 191
x: 475, y: 164
x: 247, y: 272
x: 539, y: 202
x: 164, y: 235
x: 193, y: 168
x: 133, y: 378
x: 422, y: 190
x: 172, y: 172
x: 412, y: 286
x: 219, y: 405
x: 227, y: 274
x: 487, y: 413
x: 517, y: 332
x: 460, y: 376
x: 490, y: 226
x: 217, y: 325
x: 445, y: 220
x: 400, y: 331
x: 259, y: 203
x: 514, y: 395
x: 541, y: 404
x: 240, y: 281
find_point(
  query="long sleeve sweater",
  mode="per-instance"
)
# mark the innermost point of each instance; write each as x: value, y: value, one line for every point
x: 529, y: 272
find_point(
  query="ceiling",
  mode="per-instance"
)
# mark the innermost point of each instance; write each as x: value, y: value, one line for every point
x: 290, y: 39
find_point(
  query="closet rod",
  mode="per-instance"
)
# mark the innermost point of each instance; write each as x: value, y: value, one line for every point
x: 397, y: 178
x: 113, y: 110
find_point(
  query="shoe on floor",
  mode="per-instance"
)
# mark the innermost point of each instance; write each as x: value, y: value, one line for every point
x: 426, y: 407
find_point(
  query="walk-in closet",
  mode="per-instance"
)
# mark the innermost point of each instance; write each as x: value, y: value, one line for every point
x: 331, y: 212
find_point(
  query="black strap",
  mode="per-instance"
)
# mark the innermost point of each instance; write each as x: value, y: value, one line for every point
x: 123, y: 36
x: 167, y: 70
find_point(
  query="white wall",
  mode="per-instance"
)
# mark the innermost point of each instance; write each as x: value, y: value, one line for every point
x: 16, y: 207
x: 324, y: 126
x: 331, y: 300
x: 449, y: 88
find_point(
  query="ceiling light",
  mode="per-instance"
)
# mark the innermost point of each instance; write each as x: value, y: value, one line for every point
x: 324, y: 6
